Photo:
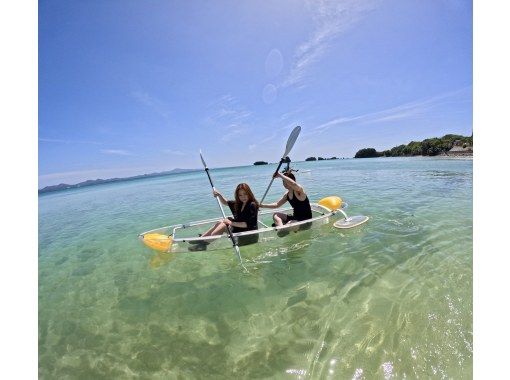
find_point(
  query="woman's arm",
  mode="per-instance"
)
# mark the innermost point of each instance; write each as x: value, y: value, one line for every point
x: 222, y: 199
x: 293, y: 184
x: 236, y: 224
x: 276, y: 204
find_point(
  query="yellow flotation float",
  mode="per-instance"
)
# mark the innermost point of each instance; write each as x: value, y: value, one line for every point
x: 158, y: 242
x: 332, y: 203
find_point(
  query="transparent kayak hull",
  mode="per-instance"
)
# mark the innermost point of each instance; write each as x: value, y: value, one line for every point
x: 185, y: 237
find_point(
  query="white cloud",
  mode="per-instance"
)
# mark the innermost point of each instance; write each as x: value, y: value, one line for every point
x: 174, y: 152
x: 227, y: 111
x: 294, y: 112
x: 331, y: 17
x: 263, y: 141
x: 413, y: 109
x: 229, y: 116
x: 234, y: 130
x: 120, y: 152
x: 227, y: 98
x: 157, y: 105
x: 63, y: 141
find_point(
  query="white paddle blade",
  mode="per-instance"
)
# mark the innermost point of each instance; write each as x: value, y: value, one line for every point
x: 350, y: 222
x: 202, y: 158
x: 292, y: 140
x: 238, y: 252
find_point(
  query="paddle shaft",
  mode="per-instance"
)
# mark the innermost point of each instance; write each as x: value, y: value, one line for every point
x: 272, y: 179
x: 221, y: 207
x: 229, y: 230
x: 290, y: 143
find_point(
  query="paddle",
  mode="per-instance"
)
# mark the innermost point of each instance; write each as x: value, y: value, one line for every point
x: 234, y: 241
x: 290, y: 143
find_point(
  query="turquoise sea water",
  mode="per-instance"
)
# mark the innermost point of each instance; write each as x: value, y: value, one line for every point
x: 392, y: 298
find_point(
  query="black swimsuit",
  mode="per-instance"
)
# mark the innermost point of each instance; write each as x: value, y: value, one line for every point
x: 247, y: 215
x: 302, y: 209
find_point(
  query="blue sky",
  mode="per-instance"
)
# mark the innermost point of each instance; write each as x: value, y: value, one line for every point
x: 132, y: 87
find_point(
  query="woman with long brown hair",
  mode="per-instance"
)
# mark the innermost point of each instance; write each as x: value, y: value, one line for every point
x: 244, y: 209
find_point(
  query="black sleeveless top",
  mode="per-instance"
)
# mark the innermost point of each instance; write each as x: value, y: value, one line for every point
x: 302, y: 209
x: 247, y: 215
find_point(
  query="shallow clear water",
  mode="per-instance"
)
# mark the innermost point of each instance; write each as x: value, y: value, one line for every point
x: 390, y: 298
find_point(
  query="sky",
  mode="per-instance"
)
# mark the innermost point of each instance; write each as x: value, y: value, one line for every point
x: 132, y: 87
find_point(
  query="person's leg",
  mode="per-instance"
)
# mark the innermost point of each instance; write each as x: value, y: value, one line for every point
x: 290, y: 219
x: 279, y: 218
x: 220, y: 228
x: 210, y: 230
x: 284, y: 220
x: 201, y: 245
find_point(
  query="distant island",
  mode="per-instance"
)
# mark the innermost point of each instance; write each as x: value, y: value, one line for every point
x: 64, y: 186
x: 285, y: 160
x: 448, y: 145
x: 288, y: 160
x: 320, y: 158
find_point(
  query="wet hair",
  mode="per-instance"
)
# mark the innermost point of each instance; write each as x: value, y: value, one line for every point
x: 249, y: 193
x: 290, y: 175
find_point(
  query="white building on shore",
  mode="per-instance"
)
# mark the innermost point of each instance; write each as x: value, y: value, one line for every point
x: 460, y: 149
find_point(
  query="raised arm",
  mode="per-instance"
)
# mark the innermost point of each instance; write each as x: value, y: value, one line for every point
x: 293, y: 184
x: 220, y: 196
x: 276, y: 204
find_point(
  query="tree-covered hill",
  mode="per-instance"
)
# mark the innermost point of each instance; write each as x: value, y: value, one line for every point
x: 427, y: 147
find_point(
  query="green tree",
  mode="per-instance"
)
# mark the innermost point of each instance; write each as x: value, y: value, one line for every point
x: 366, y: 153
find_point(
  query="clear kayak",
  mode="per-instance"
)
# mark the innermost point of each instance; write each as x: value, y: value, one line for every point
x: 185, y: 237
